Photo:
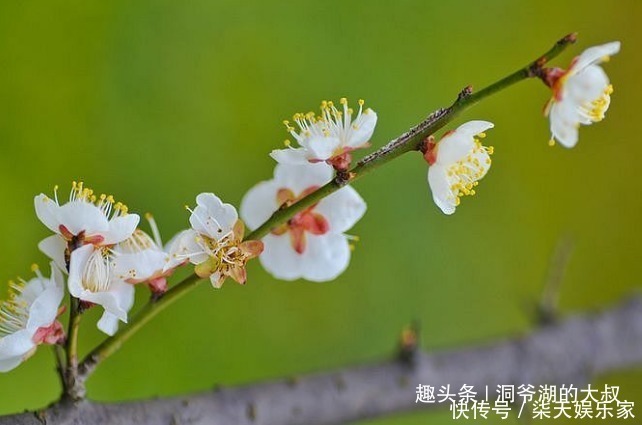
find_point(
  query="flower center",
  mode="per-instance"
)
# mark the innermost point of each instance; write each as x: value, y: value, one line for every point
x: 596, y: 109
x: 227, y: 255
x: 306, y: 221
x: 331, y: 122
x: 96, y: 276
x: 464, y: 174
x: 105, y: 203
x: 14, y: 312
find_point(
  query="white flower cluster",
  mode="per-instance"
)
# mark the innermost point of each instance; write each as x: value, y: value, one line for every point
x: 99, y: 254
x: 104, y: 253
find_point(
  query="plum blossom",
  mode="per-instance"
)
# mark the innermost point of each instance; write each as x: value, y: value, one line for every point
x: 329, y: 137
x: 92, y: 280
x: 457, y: 162
x: 581, y: 94
x: 142, y: 258
x: 84, y: 219
x: 29, y: 317
x: 312, y: 244
x: 214, y: 244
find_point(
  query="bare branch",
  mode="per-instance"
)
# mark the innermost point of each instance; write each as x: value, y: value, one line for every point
x: 570, y: 351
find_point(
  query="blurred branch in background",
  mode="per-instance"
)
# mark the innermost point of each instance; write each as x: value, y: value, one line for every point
x: 572, y: 351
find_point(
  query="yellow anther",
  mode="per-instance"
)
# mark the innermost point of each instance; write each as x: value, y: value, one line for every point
x: 287, y: 143
x: 361, y: 102
x: 481, y: 135
x: 551, y: 142
x: 34, y: 267
x: 343, y: 101
x: 149, y: 216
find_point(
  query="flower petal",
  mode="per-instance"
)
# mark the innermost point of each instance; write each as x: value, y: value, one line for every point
x: 474, y: 127
x: 586, y: 86
x: 139, y: 266
x: 120, y: 228
x: 362, y: 129
x: 440, y: 188
x: 259, y: 203
x: 290, y: 156
x: 44, y: 309
x: 565, y: 121
x: 77, y: 263
x: 325, y: 257
x: 212, y: 217
x: 108, y: 323
x: 47, y: 212
x: 15, y: 348
x: 54, y: 247
x: 298, y: 178
x: 185, y: 248
x: 342, y: 209
x: 78, y: 216
x: 279, y: 258
x: 321, y: 147
x: 595, y: 54
x: 459, y: 143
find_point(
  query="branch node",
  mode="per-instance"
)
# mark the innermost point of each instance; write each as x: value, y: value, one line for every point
x: 409, y: 344
x: 548, y: 306
x: 250, y: 412
x: 464, y: 93
x: 343, y: 178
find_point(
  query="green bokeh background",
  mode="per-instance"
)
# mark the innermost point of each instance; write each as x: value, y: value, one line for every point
x: 156, y: 101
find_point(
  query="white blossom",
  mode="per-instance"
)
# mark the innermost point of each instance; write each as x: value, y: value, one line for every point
x: 142, y: 258
x: 330, y: 136
x: 28, y: 317
x: 581, y: 94
x: 214, y: 244
x: 84, y: 219
x: 457, y: 162
x: 312, y: 244
x: 91, y: 279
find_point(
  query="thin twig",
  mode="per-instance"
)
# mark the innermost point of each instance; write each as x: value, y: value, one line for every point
x: 407, y: 142
x: 74, y: 384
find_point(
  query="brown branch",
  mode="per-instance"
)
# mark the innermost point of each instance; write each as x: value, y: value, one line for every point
x: 570, y: 351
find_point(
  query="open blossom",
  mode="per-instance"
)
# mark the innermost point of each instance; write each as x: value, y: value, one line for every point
x: 85, y: 219
x: 215, y: 243
x: 457, y: 162
x: 142, y: 258
x: 91, y: 279
x: 581, y: 94
x: 329, y: 137
x: 28, y: 317
x: 312, y: 244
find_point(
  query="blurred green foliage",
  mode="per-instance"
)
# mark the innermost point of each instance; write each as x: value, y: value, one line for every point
x: 156, y: 101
